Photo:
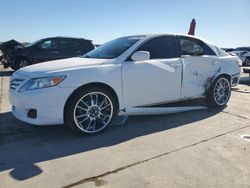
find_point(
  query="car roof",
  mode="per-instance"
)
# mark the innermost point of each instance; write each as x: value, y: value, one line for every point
x: 167, y: 34
x: 61, y: 37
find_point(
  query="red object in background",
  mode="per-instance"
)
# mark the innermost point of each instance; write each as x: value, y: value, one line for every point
x: 192, y: 27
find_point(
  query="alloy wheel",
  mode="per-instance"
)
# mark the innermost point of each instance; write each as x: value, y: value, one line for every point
x: 222, y: 90
x: 93, y: 112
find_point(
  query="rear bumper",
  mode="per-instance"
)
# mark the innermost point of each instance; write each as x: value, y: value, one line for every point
x: 235, y: 80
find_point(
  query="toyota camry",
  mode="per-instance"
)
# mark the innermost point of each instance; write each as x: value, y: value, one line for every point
x: 133, y: 75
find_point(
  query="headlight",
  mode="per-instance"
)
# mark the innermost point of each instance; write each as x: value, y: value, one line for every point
x: 38, y: 83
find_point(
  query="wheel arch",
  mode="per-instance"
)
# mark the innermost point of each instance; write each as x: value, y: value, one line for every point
x: 22, y: 57
x: 225, y: 75
x: 217, y: 76
x: 210, y: 101
x: 88, y: 85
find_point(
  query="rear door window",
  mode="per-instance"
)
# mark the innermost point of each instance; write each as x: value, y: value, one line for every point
x: 162, y: 47
x: 194, y: 47
x: 64, y: 44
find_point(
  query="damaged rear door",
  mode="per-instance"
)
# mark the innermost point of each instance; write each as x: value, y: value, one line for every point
x: 200, y: 66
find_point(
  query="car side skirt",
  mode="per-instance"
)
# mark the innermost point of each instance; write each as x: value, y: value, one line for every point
x: 159, y: 110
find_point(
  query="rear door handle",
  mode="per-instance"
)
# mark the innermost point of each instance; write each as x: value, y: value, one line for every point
x: 55, y: 52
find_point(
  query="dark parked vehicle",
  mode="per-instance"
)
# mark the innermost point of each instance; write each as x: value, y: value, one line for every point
x: 228, y: 49
x: 45, y: 50
x: 247, y: 49
x: 7, y: 47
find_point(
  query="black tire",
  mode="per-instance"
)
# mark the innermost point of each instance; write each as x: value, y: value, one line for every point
x: 20, y: 63
x: 75, y: 109
x: 247, y: 61
x: 213, y: 96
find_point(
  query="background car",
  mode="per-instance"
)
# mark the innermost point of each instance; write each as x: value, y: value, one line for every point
x: 243, y: 53
x: 243, y: 49
x: 244, y: 57
x: 6, y: 48
x: 46, y: 50
x: 134, y: 75
x: 228, y: 49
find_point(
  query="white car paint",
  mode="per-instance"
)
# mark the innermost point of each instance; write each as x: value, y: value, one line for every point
x: 145, y: 74
x: 135, y: 83
x: 196, y: 75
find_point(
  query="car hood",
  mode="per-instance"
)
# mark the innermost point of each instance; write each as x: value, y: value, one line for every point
x: 61, y: 66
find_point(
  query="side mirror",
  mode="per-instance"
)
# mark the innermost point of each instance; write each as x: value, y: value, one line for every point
x: 140, y: 56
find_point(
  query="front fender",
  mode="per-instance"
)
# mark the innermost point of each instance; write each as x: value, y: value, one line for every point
x: 108, y: 74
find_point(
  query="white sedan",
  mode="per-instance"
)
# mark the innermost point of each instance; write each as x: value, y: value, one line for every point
x: 134, y: 75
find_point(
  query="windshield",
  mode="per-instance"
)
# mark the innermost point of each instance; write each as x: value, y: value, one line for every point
x: 34, y: 43
x: 114, y: 48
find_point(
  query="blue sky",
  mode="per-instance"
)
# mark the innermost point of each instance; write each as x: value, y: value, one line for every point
x: 225, y: 23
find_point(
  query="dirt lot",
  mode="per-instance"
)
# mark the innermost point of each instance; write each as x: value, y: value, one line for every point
x: 191, y: 149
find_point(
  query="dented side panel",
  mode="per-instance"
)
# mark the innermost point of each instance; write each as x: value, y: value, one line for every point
x: 198, y: 73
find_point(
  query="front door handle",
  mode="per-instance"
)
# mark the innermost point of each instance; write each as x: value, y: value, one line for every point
x: 55, y: 52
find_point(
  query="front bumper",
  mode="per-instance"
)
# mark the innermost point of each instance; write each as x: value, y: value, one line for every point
x: 7, y: 62
x: 48, y: 102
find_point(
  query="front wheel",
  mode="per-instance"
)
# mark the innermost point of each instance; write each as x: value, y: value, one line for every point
x: 20, y: 63
x: 90, y: 110
x: 219, y: 93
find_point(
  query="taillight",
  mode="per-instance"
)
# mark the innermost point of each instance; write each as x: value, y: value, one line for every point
x: 239, y: 62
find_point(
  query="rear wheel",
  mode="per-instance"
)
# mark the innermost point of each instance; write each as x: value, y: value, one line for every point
x: 90, y: 110
x: 219, y: 93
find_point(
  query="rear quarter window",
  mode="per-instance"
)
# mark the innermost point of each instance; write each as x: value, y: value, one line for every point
x: 194, y: 47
